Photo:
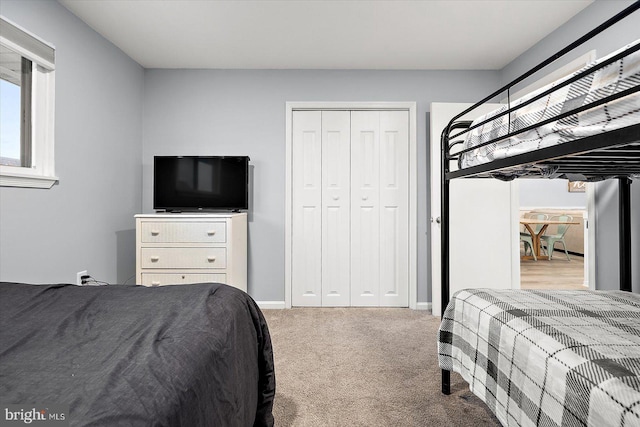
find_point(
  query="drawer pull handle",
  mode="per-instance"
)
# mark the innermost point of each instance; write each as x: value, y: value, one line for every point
x: 211, y: 232
x: 155, y: 232
x: 155, y: 258
x: 211, y: 258
x: 155, y: 283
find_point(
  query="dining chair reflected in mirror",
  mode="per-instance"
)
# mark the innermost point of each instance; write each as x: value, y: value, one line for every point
x: 528, y: 248
x: 549, y: 240
x: 526, y: 237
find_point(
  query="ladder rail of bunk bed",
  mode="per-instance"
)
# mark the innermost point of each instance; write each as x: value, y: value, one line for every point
x: 596, y: 143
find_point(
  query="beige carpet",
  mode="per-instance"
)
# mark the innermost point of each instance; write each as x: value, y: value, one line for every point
x: 364, y: 367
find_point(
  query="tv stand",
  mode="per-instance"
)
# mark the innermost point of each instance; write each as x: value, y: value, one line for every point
x: 184, y: 248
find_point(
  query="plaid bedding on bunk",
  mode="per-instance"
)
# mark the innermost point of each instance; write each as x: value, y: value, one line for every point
x: 547, y: 358
x: 614, y: 78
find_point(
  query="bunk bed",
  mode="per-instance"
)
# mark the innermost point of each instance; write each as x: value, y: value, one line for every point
x: 551, y: 357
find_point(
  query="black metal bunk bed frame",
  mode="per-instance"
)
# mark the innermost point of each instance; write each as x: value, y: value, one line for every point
x: 611, y: 154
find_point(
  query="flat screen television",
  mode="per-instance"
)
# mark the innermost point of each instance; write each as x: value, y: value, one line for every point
x: 196, y: 183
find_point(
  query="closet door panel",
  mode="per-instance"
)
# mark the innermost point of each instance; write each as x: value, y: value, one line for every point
x: 394, y: 208
x: 365, y: 209
x: 350, y: 208
x: 306, y: 265
x: 336, y: 219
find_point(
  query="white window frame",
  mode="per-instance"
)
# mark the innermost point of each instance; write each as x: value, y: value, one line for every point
x: 42, y: 172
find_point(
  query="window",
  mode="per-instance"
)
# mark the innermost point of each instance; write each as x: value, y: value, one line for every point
x: 15, y: 109
x: 26, y: 109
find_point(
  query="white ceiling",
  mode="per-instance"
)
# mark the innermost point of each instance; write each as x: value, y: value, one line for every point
x: 325, y: 34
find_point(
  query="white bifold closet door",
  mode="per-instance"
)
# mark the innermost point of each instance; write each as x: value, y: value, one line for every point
x: 350, y: 225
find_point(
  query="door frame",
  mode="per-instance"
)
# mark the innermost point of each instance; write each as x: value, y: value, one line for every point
x: 590, y: 247
x: 290, y: 107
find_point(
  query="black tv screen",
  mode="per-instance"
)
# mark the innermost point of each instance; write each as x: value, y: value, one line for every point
x: 192, y: 183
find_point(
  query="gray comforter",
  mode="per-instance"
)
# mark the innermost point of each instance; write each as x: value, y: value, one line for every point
x: 191, y: 355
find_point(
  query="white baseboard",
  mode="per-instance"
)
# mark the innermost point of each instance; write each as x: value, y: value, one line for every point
x: 423, y: 306
x: 278, y: 305
x: 271, y: 305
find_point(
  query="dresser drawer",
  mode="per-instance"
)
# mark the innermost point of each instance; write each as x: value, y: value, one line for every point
x: 183, y: 232
x: 183, y: 258
x: 161, y: 279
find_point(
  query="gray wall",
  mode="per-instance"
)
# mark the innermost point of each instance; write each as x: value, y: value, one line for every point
x: 595, y: 14
x: 242, y: 112
x: 607, y: 249
x: 606, y: 194
x: 85, y: 221
x: 549, y: 193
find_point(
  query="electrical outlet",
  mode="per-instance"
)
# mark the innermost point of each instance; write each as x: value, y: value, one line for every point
x: 79, y: 275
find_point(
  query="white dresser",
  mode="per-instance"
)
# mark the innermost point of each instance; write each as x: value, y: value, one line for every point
x: 191, y: 248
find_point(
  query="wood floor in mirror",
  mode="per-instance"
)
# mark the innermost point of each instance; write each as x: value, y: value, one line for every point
x: 557, y: 273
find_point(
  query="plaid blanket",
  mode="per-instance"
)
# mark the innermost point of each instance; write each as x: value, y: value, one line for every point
x: 615, y: 77
x: 547, y: 358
